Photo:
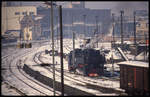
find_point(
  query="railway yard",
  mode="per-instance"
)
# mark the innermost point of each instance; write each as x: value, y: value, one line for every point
x: 29, y: 72
x: 69, y: 49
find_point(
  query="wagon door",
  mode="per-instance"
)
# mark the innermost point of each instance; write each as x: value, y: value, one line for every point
x: 130, y: 77
x: 139, y: 79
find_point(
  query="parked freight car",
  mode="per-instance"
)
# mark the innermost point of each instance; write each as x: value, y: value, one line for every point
x: 89, y: 62
x: 134, y: 77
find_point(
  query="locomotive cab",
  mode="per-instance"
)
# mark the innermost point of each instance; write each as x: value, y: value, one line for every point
x: 89, y: 62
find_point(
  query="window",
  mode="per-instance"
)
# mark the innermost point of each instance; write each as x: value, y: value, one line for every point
x: 31, y: 13
x: 24, y: 13
x: 147, y: 25
x: 139, y: 25
x: 30, y: 29
x: 17, y: 13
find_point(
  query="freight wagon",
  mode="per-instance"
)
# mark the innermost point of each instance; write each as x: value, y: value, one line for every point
x: 89, y: 62
x: 134, y: 77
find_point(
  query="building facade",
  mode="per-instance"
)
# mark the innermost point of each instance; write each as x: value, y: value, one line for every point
x: 76, y: 16
x: 12, y: 15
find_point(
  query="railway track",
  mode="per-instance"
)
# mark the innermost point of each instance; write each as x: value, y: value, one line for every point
x: 23, y: 77
x: 68, y: 77
x: 57, y: 74
x: 32, y: 80
x: 8, y: 61
x: 16, y: 73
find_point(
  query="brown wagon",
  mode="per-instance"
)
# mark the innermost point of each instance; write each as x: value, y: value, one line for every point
x: 134, y: 77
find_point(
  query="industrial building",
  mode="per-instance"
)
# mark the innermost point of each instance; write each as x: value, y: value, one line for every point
x: 83, y: 19
x: 14, y: 15
x: 11, y: 16
x: 141, y: 26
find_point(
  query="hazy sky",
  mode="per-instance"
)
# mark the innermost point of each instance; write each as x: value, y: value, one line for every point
x: 100, y: 5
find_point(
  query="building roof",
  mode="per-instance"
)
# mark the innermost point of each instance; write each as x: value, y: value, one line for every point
x: 135, y: 63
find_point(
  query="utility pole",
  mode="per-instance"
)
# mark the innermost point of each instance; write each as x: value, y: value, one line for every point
x: 99, y: 26
x: 61, y: 51
x: 57, y: 31
x: 73, y: 41
x: 20, y: 44
x: 52, y: 37
x: 113, y: 20
x: 134, y: 28
x: 96, y: 17
x: 134, y: 13
x: 122, y: 12
x: 112, y: 61
x: 96, y: 23
x: 84, y: 16
x: 145, y: 52
x: 112, y: 42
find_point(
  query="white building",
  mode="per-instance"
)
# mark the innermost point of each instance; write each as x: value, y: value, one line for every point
x: 11, y: 16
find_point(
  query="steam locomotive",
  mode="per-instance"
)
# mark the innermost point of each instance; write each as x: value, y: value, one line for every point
x: 88, y: 62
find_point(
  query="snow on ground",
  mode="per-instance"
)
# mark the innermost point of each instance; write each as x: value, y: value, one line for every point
x: 7, y: 90
x: 28, y: 58
x: 97, y: 82
x: 113, y: 54
x: 106, y: 45
x: 8, y: 76
x: 142, y: 56
x: 20, y: 85
x: 110, y: 66
x: 74, y: 83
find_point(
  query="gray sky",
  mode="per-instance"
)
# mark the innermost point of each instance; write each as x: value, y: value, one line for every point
x: 100, y: 5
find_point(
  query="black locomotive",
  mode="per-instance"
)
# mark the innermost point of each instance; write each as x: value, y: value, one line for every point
x: 89, y: 62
